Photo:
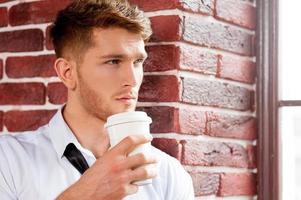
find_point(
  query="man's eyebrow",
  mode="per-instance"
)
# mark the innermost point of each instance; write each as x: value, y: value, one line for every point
x: 140, y: 55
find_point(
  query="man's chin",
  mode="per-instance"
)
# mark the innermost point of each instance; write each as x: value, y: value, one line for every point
x: 123, y: 109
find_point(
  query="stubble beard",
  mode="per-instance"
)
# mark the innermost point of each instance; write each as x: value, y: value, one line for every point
x: 92, y: 103
x: 96, y: 105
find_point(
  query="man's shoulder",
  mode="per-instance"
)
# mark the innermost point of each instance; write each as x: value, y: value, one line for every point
x: 23, y: 137
x: 165, y: 160
x: 21, y: 148
x: 161, y: 154
x: 175, y: 180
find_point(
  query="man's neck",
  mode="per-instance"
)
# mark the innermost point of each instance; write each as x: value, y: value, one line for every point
x: 88, y: 130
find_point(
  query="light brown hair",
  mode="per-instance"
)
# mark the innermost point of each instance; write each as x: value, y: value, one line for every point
x: 72, y: 30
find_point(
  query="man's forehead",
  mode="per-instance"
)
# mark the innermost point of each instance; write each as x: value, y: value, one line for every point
x: 116, y: 55
x: 118, y: 42
x: 115, y: 36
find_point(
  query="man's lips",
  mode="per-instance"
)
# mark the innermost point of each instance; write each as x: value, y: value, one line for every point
x: 128, y: 99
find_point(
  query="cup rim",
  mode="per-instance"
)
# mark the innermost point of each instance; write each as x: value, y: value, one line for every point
x: 127, y: 117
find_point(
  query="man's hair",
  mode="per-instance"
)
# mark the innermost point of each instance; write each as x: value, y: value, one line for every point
x: 72, y: 30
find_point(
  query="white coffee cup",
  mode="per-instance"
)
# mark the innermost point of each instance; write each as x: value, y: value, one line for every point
x: 124, y: 124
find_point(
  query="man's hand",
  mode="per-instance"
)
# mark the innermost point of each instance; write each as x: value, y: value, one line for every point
x: 111, y: 176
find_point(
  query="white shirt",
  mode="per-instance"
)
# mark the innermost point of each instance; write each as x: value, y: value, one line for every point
x: 32, y: 167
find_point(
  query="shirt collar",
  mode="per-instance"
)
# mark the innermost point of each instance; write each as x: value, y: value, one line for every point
x: 61, y: 135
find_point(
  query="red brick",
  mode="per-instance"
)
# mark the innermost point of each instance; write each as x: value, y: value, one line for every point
x: 22, y: 93
x: 1, y: 120
x: 165, y: 119
x: 236, y: 12
x: 231, y: 126
x: 216, y: 35
x: 205, y: 6
x: 148, y: 5
x: 237, y: 69
x: 159, y: 88
x: 16, y: 121
x: 57, y: 93
x: 205, y: 183
x: 192, y: 122
x: 1, y: 69
x: 217, y: 124
x: 21, y: 40
x: 196, y: 60
x: 35, y: 12
x: 234, y: 184
x: 3, y: 1
x: 186, y: 57
x: 252, y: 153
x: 169, y: 146
x: 216, y: 94
x: 3, y: 17
x: 30, y: 66
x: 48, y: 42
x: 166, y: 28
x: 170, y: 119
x: 214, y: 154
x: 162, y: 58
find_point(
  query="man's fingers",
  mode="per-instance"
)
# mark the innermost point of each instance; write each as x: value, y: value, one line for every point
x: 138, y: 160
x: 130, y: 189
x: 144, y: 172
x: 129, y: 143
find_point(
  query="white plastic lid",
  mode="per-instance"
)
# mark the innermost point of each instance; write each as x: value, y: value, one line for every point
x: 125, y: 117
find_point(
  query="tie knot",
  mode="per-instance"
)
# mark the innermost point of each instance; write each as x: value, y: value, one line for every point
x: 76, y: 158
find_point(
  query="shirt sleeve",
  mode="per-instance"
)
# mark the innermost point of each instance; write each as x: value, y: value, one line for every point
x: 6, y: 182
x: 178, y: 181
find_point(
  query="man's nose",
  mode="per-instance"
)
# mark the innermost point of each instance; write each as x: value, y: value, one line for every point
x: 130, y: 75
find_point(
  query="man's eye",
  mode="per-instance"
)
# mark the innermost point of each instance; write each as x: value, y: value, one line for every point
x: 139, y: 61
x: 113, y: 62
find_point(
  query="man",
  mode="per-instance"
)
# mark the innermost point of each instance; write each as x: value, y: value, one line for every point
x: 100, y: 52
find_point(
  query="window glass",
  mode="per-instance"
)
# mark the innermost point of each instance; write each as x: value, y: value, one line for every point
x: 290, y: 50
x: 290, y: 89
x: 290, y: 145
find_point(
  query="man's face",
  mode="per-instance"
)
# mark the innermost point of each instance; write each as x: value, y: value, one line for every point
x: 111, y: 72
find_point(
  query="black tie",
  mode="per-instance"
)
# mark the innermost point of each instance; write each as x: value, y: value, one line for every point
x: 76, y: 158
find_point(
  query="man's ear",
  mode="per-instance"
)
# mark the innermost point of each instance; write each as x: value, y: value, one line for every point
x: 66, y: 72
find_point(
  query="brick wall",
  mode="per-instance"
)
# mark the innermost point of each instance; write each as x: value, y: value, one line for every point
x: 199, y: 84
